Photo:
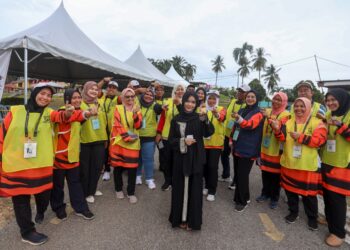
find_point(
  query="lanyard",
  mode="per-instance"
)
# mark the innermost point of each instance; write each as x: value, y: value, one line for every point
x: 267, y: 126
x: 36, y: 125
x: 126, y: 118
x: 342, y: 120
x: 144, y: 115
x: 109, y: 105
x: 307, y: 123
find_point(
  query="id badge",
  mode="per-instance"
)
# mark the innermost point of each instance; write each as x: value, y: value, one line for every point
x: 95, y: 124
x: 235, y: 135
x: 266, y: 141
x: 297, y: 151
x: 29, y: 149
x: 331, y: 146
x: 230, y: 124
x: 143, y: 125
x: 160, y: 145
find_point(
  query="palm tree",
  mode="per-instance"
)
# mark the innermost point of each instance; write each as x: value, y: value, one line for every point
x: 244, y: 70
x: 218, y: 66
x: 179, y: 63
x: 271, y: 77
x: 259, y: 60
x: 190, y: 71
x: 240, y: 56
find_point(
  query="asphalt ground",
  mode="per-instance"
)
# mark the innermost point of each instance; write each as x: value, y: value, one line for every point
x: 144, y: 225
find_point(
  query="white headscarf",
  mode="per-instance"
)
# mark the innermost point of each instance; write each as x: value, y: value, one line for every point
x: 175, y: 88
x: 217, y: 96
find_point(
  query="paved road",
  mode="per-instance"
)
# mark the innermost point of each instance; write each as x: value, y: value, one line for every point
x: 120, y: 225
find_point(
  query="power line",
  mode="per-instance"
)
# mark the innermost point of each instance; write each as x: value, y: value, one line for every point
x: 341, y: 64
x: 299, y: 60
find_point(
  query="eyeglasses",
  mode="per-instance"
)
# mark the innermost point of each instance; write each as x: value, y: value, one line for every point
x: 129, y: 97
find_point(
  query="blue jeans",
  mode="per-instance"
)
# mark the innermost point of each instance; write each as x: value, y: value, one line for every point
x: 146, y: 159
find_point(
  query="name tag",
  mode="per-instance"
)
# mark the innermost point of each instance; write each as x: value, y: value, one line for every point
x: 235, y: 135
x: 266, y: 141
x: 95, y: 124
x: 29, y: 149
x: 143, y: 125
x: 297, y: 151
x: 230, y: 124
x: 331, y: 146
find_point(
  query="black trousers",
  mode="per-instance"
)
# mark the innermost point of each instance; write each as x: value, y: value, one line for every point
x: 118, y: 179
x: 225, y: 159
x: 211, y: 169
x: 76, y: 193
x: 23, y: 211
x: 107, y: 167
x: 244, y: 165
x: 271, y: 185
x: 310, y: 204
x: 92, y: 157
x: 235, y: 169
x: 335, y: 210
x: 166, y: 161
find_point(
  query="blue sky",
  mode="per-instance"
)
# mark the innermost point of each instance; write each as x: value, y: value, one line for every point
x: 201, y: 30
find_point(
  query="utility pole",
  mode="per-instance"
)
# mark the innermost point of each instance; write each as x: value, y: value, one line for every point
x: 318, y: 71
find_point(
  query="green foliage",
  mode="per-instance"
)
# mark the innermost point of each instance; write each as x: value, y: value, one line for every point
x: 218, y: 65
x: 271, y: 77
x: 259, y: 89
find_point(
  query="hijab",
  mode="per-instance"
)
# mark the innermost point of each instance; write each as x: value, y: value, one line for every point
x: 185, y: 116
x: 217, y: 101
x: 68, y: 95
x: 32, y: 106
x: 142, y: 99
x: 204, y: 98
x: 175, y: 88
x: 87, y: 86
x: 307, y: 104
x: 127, y: 106
x: 284, y: 104
x: 248, y: 108
x: 343, y: 99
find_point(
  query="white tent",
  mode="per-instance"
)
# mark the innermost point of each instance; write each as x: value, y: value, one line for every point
x: 57, y: 49
x: 176, y: 77
x: 139, y: 61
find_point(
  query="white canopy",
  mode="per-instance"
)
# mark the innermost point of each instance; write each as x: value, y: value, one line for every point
x: 139, y: 61
x: 176, y: 77
x: 64, y: 52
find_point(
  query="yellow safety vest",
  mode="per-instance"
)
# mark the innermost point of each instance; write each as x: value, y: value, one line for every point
x: 125, y: 120
x: 308, y: 160
x: 74, y: 140
x: 341, y: 156
x: 314, y: 109
x: 108, y: 106
x: 169, y: 115
x: 149, y: 122
x: 270, y: 145
x: 217, y: 139
x: 88, y: 133
x: 232, y: 107
x: 13, y: 148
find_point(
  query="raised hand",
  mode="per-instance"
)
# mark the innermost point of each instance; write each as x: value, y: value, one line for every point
x: 275, y: 125
x: 69, y: 109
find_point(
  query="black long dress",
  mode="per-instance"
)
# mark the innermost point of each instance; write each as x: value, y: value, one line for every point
x: 190, y: 165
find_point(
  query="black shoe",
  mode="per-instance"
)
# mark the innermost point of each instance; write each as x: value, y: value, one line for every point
x: 166, y: 186
x: 312, y: 224
x: 87, y: 215
x: 240, y: 208
x: 261, y: 198
x: 291, y: 218
x: 34, y: 238
x: 39, y: 218
x: 62, y: 215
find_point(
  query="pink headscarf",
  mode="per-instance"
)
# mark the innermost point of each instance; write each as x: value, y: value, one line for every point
x: 126, y: 90
x: 88, y: 85
x: 307, y: 104
x: 284, y: 98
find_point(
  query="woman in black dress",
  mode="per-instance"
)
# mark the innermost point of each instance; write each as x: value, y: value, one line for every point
x: 186, y: 139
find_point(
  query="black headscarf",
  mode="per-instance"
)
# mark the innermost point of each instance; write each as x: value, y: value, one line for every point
x: 142, y: 100
x: 185, y: 116
x: 343, y: 98
x: 68, y: 95
x: 205, y: 95
x: 32, y: 106
x: 249, y: 108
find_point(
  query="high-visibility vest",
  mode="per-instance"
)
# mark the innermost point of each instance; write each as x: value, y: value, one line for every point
x: 74, y: 140
x: 13, y: 148
x: 308, y: 160
x: 270, y: 145
x: 314, y: 109
x: 217, y: 139
x: 118, y: 140
x: 341, y: 156
x: 149, y: 120
x: 87, y: 133
x: 169, y: 115
x: 108, y: 105
x: 232, y: 107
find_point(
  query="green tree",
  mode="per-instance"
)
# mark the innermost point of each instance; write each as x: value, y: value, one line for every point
x: 271, y: 77
x: 241, y: 58
x: 259, y: 60
x: 189, y: 71
x: 259, y: 89
x: 245, y: 68
x: 179, y: 63
x: 218, y: 66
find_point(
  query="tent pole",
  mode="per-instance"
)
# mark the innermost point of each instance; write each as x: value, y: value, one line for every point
x: 25, y: 74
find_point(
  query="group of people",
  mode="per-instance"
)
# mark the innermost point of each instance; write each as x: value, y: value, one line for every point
x: 304, y: 150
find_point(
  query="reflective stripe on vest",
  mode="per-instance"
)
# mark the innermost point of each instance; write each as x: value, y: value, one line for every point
x: 151, y: 122
x: 169, y: 115
x: 217, y: 139
x: 308, y: 160
x: 233, y: 107
x: 13, y: 156
x: 341, y: 156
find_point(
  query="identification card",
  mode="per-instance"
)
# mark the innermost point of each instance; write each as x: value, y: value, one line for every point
x: 160, y: 145
x: 235, y: 135
x: 95, y: 124
x: 29, y: 149
x: 297, y: 151
x: 266, y: 141
x: 143, y: 123
x: 331, y: 146
x: 230, y: 124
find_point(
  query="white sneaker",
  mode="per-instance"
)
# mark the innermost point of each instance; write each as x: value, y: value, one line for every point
x: 150, y: 183
x: 90, y: 199
x: 228, y: 179
x: 138, y: 180
x: 132, y: 199
x: 205, y: 191
x: 120, y: 195
x: 211, y: 197
x: 106, y: 176
x: 98, y: 193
